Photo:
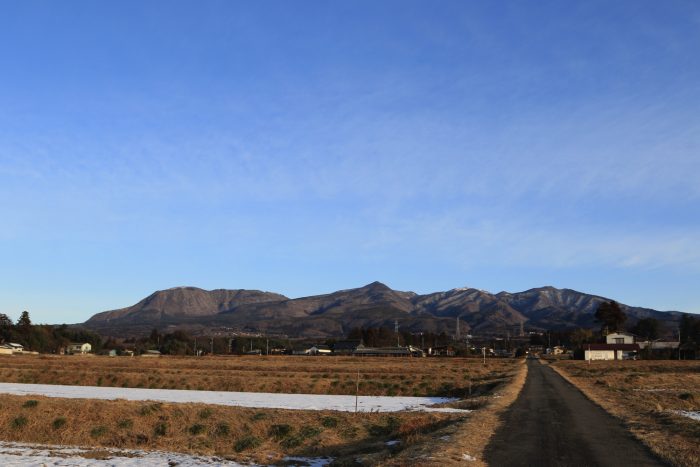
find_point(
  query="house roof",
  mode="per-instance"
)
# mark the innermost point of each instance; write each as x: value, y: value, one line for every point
x: 627, y: 347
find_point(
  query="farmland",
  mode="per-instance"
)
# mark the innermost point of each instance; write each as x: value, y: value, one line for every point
x: 650, y: 397
x: 252, y: 434
x: 280, y: 374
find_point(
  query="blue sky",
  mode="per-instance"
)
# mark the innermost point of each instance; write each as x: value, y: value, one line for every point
x: 304, y: 147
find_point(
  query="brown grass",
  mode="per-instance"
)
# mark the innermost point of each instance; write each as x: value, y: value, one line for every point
x: 644, y: 395
x: 261, y: 435
x: 279, y: 374
x: 230, y: 432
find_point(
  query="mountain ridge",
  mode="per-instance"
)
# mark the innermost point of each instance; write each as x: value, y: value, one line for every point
x: 372, y: 305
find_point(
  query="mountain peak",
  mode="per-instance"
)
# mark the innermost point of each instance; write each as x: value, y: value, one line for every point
x: 376, y: 285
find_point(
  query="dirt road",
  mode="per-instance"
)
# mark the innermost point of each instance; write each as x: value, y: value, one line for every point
x: 553, y: 424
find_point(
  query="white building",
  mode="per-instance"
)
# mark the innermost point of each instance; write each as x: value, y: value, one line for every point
x: 79, y: 348
x: 611, y: 351
x: 619, y: 338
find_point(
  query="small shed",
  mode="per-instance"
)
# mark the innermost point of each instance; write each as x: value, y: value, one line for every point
x: 611, y: 351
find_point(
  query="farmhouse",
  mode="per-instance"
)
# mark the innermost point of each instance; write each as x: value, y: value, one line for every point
x: 81, y: 348
x: 11, y: 348
x: 619, y: 338
x: 610, y: 351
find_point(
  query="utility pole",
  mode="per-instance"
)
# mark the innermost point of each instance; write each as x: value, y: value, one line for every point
x: 357, y: 389
x: 396, y: 329
x: 211, y: 342
x: 195, y: 346
x: 267, y: 346
x: 679, y: 343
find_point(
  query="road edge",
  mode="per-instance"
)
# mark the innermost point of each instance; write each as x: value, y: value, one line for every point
x: 466, y: 440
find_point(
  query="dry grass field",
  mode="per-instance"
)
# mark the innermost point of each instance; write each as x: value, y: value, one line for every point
x: 261, y: 435
x: 279, y: 374
x: 647, y: 396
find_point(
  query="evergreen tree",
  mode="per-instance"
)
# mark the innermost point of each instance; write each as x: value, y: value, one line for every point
x: 24, y: 323
x: 611, y: 316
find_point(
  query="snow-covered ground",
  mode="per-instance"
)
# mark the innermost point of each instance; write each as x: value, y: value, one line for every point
x: 695, y: 415
x: 20, y: 454
x: 239, y: 399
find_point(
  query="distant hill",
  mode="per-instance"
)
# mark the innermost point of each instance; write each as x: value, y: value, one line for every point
x: 374, y: 305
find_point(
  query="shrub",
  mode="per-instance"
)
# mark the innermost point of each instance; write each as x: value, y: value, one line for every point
x: 58, y: 422
x: 222, y: 429
x: 196, y: 429
x: 30, y: 403
x: 247, y: 442
x: 686, y: 396
x: 161, y: 429
x: 125, y: 423
x: 292, y: 442
x: 205, y: 413
x: 98, y: 431
x: 150, y: 408
x: 279, y: 431
x: 329, y: 422
x: 19, y: 422
x: 309, y: 431
x: 349, y: 432
x: 259, y: 416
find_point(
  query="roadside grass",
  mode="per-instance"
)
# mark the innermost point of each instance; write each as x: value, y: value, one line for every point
x: 451, y: 377
x: 646, y: 395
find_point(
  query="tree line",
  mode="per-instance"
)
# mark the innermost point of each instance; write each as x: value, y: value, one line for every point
x: 44, y: 338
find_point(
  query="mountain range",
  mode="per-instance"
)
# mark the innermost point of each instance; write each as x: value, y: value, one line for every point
x: 374, y: 305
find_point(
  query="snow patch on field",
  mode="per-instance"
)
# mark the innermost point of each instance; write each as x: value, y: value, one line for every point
x: 308, y: 461
x: 259, y: 400
x: 19, y: 454
x: 695, y: 415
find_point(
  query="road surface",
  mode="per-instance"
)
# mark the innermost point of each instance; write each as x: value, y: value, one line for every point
x: 552, y: 423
